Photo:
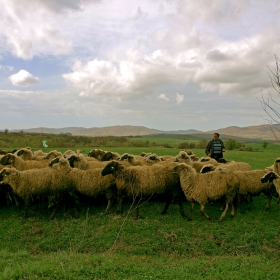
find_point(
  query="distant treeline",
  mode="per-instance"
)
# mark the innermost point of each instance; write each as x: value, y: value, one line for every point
x: 67, y: 140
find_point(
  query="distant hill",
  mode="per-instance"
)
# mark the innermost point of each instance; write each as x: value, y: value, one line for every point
x: 260, y: 132
x: 51, y: 130
x: 253, y: 132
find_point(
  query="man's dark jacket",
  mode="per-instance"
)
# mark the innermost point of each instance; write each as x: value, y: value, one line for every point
x: 210, y: 147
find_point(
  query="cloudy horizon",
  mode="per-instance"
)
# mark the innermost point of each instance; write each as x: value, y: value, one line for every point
x: 166, y: 65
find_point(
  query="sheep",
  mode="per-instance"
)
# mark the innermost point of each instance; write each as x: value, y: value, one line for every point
x: 96, y: 153
x: 231, y: 166
x: 25, y: 154
x: 183, y: 157
x: 68, y: 153
x: 274, y: 178
x: 132, y: 159
x: 276, y: 166
x: 110, y: 156
x: 79, y: 161
x: 19, y: 164
x: 250, y: 184
x: 204, y: 188
x: 152, y: 159
x: 52, y: 154
x: 140, y: 181
x: 40, y: 183
x: 144, y: 154
x: 88, y: 182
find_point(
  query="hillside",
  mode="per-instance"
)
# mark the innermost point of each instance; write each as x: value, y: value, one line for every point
x: 260, y: 132
x: 263, y: 132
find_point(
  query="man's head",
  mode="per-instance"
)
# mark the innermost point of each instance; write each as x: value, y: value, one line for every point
x: 216, y: 136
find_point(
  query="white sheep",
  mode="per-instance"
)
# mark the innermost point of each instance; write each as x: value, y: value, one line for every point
x: 89, y: 182
x: 40, y: 183
x: 19, y: 164
x: 204, y: 188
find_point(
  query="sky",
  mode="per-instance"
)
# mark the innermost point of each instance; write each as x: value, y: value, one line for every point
x: 163, y: 64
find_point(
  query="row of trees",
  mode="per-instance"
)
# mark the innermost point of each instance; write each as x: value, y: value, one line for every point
x: 34, y: 140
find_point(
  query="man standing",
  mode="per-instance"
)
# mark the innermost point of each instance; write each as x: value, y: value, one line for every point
x: 215, y: 147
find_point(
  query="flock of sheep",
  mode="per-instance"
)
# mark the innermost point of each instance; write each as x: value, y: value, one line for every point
x: 30, y: 177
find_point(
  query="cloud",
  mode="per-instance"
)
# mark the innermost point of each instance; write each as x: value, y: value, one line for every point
x: 163, y: 97
x: 23, y: 79
x: 179, y: 98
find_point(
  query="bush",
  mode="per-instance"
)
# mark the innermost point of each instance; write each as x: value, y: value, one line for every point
x: 232, y: 144
x: 201, y: 144
x: 186, y: 145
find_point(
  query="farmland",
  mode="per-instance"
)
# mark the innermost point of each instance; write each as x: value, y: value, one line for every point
x: 98, y: 246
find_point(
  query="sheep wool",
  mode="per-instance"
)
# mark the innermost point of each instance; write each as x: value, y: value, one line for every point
x: 144, y: 181
x: 203, y: 188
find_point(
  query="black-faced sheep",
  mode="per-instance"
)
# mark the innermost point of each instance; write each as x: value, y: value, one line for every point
x: 250, y: 184
x: 139, y: 182
x: 110, y: 156
x: 96, y: 153
x: 132, y: 159
x: 273, y: 177
x: 204, y: 188
x: 52, y: 154
x: 79, y: 161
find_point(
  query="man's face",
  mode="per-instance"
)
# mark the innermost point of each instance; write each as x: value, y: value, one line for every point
x: 216, y: 137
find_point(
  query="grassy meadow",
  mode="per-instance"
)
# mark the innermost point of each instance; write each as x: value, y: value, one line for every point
x: 98, y: 246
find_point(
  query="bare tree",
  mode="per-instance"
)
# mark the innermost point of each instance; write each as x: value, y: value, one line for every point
x: 270, y: 104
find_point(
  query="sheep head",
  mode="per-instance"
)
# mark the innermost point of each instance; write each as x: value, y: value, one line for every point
x: 6, y: 172
x: 72, y: 159
x: 54, y: 161
x: 180, y: 167
x: 207, y: 168
x: 123, y: 157
x: 108, y: 156
x: 112, y: 167
x: 7, y: 159
x: 269, y: 177
x: 222, y: 160
x: 96, y: 153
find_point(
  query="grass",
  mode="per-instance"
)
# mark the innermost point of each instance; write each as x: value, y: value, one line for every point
x: 97, y: 246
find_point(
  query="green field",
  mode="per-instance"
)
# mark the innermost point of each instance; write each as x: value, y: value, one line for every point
x: 97, y: 246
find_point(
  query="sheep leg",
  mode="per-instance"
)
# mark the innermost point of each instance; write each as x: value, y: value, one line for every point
x: 119, y: 204
x: 225, y: 212
x: 180, y: 202
x: 268, y: 202
x: 53, y: 213
x: 191, y: 211
x: 108, y: 206
x: 202, y: 206
x: 168, y: 202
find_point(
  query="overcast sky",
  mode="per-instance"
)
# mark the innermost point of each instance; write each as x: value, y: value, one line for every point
x: 168, y: 65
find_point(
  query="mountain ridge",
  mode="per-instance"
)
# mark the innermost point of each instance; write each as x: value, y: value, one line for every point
x: 263, y: 132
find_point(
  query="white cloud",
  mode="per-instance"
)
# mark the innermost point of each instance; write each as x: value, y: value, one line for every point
x: 163, y: 97
x: 179, y: 98
x: 23, y: 79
